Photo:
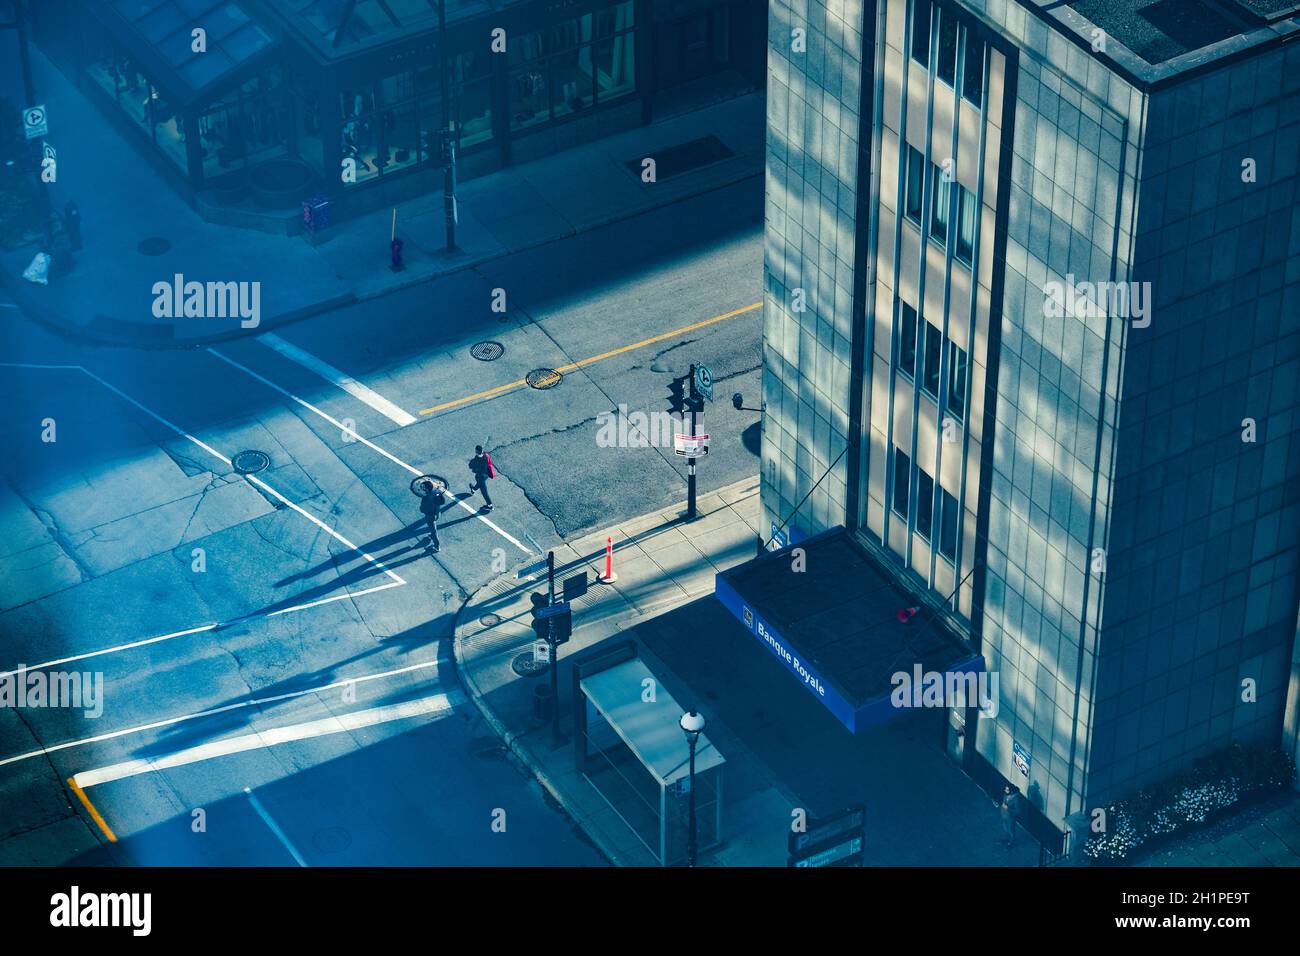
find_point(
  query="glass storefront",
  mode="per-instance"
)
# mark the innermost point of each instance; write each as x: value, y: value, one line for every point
x: 571, y: 66
x: 320, y: 82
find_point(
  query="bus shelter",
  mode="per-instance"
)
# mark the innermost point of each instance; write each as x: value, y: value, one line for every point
x: 632, y: 750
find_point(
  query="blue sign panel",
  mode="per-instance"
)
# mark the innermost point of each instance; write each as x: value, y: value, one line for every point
x: 1021, y: 756
x: 814, y: 682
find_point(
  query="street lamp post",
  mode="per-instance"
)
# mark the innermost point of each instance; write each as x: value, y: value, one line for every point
x: 29, y: 91
x: 692, y: 724
x: 448, y: 135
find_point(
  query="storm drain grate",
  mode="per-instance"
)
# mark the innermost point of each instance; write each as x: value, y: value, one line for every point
x: 543, y: 378
x: 487, y: 351
x: 683, y: 158
x: 250, y: 462
x: 525, y: 666
x: 154, y: 246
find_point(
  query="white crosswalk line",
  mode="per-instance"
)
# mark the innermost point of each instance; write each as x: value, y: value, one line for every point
x: 342, y: 380
x: 369, y: 444
x: 342, y: 723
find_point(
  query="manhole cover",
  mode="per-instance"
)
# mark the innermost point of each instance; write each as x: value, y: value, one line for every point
x: 543, y: 378
x: 250, y: 462
x: 525, y: 666
x: 420, y: 484
x: 332, y: 840
x: 490, y: 620
x: 487, y: 351
x: 153, y: 246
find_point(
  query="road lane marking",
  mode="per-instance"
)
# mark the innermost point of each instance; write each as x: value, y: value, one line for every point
x: 343, y: 381
x: 108, y: 650
x: 90, y: 808
x: 251, y: 478
x: 279, y: 834
x: 226, y: 708
x: 263, y: 739
x: 347, y: 595
x: 365, y: 441
x: 582, y: 363
x: 222, y: 458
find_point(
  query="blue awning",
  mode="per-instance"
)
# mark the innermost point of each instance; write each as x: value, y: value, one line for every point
x: 834, y: 626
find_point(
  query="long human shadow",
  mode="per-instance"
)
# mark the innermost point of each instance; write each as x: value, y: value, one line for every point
x: 414, y: 529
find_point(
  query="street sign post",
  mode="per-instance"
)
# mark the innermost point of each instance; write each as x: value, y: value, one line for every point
x: 575, y: 587
x: 846, y: 852
x: 828, y: 829
x: 704, y: 381
x: 691, y: 446
x: 35, y: 122
x: 559, y: 621
x: 838, y: 840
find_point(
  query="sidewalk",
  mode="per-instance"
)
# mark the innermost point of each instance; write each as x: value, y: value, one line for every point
x: 783, y: 750
x: 1264, y: 834
x: 107, y: 298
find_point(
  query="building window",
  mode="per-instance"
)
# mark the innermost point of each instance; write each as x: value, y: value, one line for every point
x: 965, y: 250
x: 947, y: 67
x: 948, y: 526
x: 956, y: 380
x: 924, y: 503
x: 571, y: 66
x: 902, y: 479
x: 615, y: 67
x: 913, y: 184
x: 940, y: 187
x: 906, y: 339
x: 921, y: 32
x: 972, y: 79
x: 933, y: 353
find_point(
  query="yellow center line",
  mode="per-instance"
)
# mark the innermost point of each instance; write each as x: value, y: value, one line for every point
x: 582, y: 363
x: 90, y: 808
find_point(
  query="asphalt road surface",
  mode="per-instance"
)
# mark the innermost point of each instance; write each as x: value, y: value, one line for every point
x: 272, y: 649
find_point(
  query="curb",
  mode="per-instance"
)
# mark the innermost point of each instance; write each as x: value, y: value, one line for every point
x: 512, y: 739
x: 16, y: 287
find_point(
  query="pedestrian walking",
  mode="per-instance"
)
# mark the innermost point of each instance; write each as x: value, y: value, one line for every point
x: 72, y: 224
x: 433, y: 498
x: 1010, y: 808
x: 484, y: 471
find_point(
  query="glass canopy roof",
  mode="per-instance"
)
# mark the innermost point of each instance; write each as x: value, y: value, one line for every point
x: 339, y: 25
x: 159, y: 32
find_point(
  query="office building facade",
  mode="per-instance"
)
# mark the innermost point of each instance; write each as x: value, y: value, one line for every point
x: 1032, y: 333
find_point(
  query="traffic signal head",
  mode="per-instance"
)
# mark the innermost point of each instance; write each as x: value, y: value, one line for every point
x: 541, y: 628
x: 677, y: 397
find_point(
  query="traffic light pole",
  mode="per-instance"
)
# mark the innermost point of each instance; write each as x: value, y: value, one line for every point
x: 690, y: 462
x: 555, y: 649
x: 448, y: 138
x: 29, y: 89
x: 20, y: 24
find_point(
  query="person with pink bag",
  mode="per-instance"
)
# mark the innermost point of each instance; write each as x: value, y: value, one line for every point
x: 484, y: 471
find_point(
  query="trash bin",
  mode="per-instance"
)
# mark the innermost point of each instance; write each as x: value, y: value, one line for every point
x: 542, y: 702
